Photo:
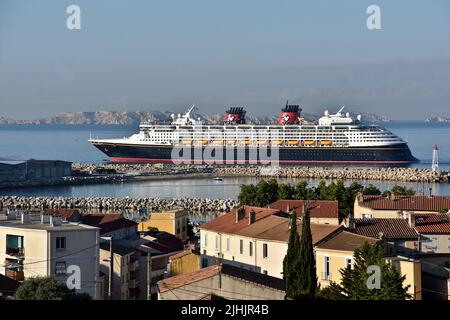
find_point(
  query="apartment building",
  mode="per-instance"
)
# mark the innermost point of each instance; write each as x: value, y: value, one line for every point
x: 171, y: 221
x: 40, y: 245
x: 434, y: 230
x: 253, y: 238
x: 320, y: 211
x: 372, y: 206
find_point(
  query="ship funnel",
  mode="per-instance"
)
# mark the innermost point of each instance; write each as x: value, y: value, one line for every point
x: 234, y: 115
x: 289, y: 114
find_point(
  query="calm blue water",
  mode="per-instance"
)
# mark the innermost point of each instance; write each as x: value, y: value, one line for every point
x: 70, y: 143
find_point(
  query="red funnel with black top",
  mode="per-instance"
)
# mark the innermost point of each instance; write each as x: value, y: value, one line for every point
x: 289, y: 114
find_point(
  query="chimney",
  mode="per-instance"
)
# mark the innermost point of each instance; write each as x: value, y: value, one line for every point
x: 240, y: 213
x: 55, y: 221
x: 411, y: 220
x: 252, y: 217
x: 288, y: 209
x: 351, y: 222
x: 431, y: 191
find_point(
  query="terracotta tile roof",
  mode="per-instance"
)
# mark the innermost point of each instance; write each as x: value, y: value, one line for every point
x: 166, y: 240
x: 208, y: 272
x: 117, y: 248
x: 390, y: 228
x: 317, y: 208
x: 433, y: 223
x: 227, y: 222
x: 276, y: 228
x: 107, y: 222
x: 412, y: 203
x: 72, y: 215
x: 345, y: 241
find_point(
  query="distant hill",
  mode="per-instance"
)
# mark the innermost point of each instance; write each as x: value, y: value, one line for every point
x: 136, y: 117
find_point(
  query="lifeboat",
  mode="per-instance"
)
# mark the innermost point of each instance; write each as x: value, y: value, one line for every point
x: 203, y: 142
x: 309, y: 142
x: 232, y: 142
x: 245, y: 142
x: 293, y: 142
x: 260, y: 142
x: 277, y: 142
x: 187, y: 142
x: 218, y: 142
x: 326, y: 142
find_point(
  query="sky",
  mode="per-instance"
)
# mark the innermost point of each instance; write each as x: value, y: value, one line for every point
x: 169, y: 54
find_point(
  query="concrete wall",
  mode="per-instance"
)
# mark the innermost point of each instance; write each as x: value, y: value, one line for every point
x: 223, y: 286
x: 186, y: 264
x: 440, y: 243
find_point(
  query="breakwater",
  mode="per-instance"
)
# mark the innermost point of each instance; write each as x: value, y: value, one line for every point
x: 103, y: 204
x: 339, y: 173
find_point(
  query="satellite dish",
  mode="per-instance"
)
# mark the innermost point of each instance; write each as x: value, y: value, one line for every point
x: 172, y: 115
x: 347, y: 115
x: 326, y: 112
x: 359, y: 117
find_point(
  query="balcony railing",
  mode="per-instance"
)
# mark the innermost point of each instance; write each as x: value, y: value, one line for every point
x: 15, y: 252
x: 326, y: 276
x: 134, y: 265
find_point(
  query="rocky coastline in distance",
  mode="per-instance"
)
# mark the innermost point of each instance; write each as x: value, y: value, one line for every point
x: 136, y: 117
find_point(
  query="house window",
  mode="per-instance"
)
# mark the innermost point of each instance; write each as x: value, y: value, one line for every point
x: 60, y: 243
x: 348, y: 263
x: 250, y: 248
x: 366, y: 216
x: 241, y: 246
x: 228, y: 244
x: 217, y: 242
x: 205, y: 240
x: 326, y: 268
x: 60, y: 268
x: 265, y: 250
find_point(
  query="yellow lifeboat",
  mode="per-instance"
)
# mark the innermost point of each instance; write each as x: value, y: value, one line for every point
x: 218, y: 142
x: 309, y: 142
x: 260, y: 142
x: 232, y: 142
x: 326, y: 142
x: 203, y: 142
x: 293, y: 142
x: 277, y: 142
x: 245, y: 142
x: 187, y: 142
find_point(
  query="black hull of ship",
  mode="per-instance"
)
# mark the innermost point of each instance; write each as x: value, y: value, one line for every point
x: 396, y: 155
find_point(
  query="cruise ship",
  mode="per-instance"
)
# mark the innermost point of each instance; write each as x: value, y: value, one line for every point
x: 335, y: 139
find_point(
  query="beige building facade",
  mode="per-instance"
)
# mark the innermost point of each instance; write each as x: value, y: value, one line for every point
x: 171, y: 221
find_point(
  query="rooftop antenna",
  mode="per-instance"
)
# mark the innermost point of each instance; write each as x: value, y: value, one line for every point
x: 435, y: 162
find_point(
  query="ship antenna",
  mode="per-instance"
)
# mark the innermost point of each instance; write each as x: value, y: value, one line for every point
x: 340, y: 110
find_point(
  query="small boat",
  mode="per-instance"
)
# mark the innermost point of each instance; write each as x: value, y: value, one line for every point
x: 187, y: 142
x: 217, y: 179
x: 232, y: 142
x: 326, y: 142
x: 218, y: 142
x: 261, y: 142
x: 203, y: 142
x: 309, y: 142
x: 293, y: 142
x: 245, y: 142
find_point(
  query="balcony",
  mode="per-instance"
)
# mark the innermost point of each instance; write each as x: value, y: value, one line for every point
x: 133, y: 265
x: 326, y: 276
x: 15, y: 274
x: 18, y: 253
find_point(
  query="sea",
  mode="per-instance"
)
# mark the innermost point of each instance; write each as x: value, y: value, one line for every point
x: 70, y: 143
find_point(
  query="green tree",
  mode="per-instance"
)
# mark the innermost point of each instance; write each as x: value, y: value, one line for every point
x: 291, y: 262
x: 247, y: 195
x: 399, y: 191
x: 301, y: 190
x: 46, y: 288
x: 371, y: 190
x: 286, y: 191
x: 307, y: 280
x: 354, y: 280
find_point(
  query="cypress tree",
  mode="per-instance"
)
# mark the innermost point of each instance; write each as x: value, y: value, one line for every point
x: 291, y: 260
x: 307, y: 280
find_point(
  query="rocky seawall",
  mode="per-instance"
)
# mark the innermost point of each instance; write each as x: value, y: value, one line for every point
x: 117, y: 204
x: 337, y: 173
